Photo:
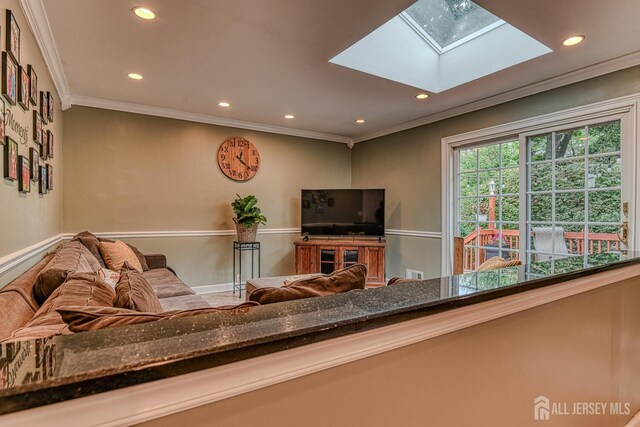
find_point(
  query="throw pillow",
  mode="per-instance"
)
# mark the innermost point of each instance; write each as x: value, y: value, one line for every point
x: 133, y: 292
x: 72, y: 257
x: 91, y: 242
x: 110, y: 277
x: 83, y: 319
x: 115, y: 254
x: 344, y: 280
x: 498, y: 262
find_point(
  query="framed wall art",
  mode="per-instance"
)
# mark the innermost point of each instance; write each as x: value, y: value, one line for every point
x: 2, y: 129
x: 34, y: 158
x: 13, y: 36
x: 37, y: 128
x: 23, y: 88
x: 9, y: 78
x: 44, y: 146
x: 33, y: 85
x: 49, y: 177
x: 24, y: 170
x: 44, y: 107
x: 10, y: 159
x: 49, y: 107
x: 50, y: 144
x: 42, y: 184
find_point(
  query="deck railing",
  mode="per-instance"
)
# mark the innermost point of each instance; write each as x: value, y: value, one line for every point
x: 575, y: 241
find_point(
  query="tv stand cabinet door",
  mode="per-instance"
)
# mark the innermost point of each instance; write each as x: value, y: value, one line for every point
x: 307, y: 259
x: 374, y: 260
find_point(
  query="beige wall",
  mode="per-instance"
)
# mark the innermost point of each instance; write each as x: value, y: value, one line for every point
x: 407, y: 163
x: 131, y: 172
x: 26, y: 219
x: 583, y: 349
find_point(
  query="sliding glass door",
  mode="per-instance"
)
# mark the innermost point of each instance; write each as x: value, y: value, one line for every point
x: 555, y: 195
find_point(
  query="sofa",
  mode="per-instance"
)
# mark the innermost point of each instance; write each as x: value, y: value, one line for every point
x: 22, y: 307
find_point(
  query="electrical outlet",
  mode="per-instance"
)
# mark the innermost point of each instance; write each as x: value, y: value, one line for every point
x: 414, y: 274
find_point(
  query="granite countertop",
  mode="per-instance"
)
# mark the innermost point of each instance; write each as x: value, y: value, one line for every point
x: 40, y: 372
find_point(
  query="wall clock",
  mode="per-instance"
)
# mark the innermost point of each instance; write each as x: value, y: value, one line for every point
x: 238, y: 159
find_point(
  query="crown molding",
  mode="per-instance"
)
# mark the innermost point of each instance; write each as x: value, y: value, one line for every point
x: 582, y: 74
x: 148, y: 110
x: 39, y: 23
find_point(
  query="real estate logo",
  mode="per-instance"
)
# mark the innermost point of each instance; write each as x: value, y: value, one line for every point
x: 541, y: 408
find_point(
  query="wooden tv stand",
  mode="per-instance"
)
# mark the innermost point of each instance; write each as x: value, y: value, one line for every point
x: 327, y: 255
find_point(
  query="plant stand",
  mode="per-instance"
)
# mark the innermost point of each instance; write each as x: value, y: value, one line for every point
x: 239, y: 248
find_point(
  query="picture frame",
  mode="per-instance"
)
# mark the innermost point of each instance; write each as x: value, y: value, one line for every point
x: 44, y: 145
x: 23, y: 88
x: 33, y: 85
x: 34, y: 158
x: 44, y: 107
x: 49, y: 177
x: 42, y: 180
x: 24, y: 171
x: 49, y: 144
x: 9, y: 78
x: 37, y: 128
x: 13, y: 36
x: 3, y: 112
x: 3, y: 132
x: 10, y: 159
x: 50, y: 106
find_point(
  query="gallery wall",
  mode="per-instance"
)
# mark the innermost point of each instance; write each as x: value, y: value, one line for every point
x: 28, y: 218
x: 408, y: 164
x: 128, y: 172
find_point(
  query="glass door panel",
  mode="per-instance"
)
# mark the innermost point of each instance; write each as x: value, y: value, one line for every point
x: 327, y: 260
x: 349, y: 257
x: 574, y: 193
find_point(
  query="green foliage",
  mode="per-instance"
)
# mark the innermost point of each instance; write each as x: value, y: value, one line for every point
x: 246, y: 211
x: 479, y: 167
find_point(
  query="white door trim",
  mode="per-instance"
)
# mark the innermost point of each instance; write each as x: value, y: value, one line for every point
x: 586, y: 113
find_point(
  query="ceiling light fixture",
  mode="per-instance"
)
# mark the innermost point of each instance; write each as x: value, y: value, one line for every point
x: 135, y: 76
x: 289, y: 116
x: 224, y: 104
x: 573, y: 40
x: 361, y: 121
x: 143, y: 12
x: 422, y: 96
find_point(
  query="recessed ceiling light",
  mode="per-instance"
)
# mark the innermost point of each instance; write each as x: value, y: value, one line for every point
x: 422, y: 96
x: 573, y: 40
x: 361, y: 121
x: 224, y: 104
x: 143, y: 12
x: 288, y: 116
x: 135, y: 76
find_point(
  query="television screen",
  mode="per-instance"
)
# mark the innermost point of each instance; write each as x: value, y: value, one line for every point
x: 343, y: 212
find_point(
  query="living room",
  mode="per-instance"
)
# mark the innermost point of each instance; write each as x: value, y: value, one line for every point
x: 142, y: 98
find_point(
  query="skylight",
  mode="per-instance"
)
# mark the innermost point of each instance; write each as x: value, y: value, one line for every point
x: 436, y: 45
x: 449, y: 21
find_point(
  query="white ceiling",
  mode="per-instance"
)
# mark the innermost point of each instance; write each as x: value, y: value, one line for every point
x: 271, y: 57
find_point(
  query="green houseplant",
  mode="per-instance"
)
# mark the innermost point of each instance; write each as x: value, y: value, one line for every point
x: 247, y: 217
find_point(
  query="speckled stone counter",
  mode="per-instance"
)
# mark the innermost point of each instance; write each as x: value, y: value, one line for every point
x: 40, y: 372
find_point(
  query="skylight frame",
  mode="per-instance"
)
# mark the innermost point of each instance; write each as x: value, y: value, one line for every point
x: 435, y: 45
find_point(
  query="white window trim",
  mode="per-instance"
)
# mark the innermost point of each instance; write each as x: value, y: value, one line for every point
x: 626, y: 105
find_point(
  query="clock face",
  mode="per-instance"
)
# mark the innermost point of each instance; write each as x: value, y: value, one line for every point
x: 238, y: 159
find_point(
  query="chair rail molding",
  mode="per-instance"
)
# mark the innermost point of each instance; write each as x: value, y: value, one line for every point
x: 163, y: 397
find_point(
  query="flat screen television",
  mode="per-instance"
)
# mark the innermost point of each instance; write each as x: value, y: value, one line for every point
x: 343, y: 212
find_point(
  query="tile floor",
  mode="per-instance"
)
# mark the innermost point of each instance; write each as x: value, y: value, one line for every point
x: 223, y: 298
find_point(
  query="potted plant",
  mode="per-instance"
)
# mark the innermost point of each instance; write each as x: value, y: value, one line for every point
x: 247, y: 218
x: 482, y: 211
x: 493, y: 245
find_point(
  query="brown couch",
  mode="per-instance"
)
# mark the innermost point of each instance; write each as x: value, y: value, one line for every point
x: 19, y: 301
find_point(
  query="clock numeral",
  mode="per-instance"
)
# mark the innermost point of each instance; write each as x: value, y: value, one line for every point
x: 253, y: 168
x: 233, y: 173
x: 226, y: 149
x: 240, y: 175
x: 227, y: 165
x: 223, y: 157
